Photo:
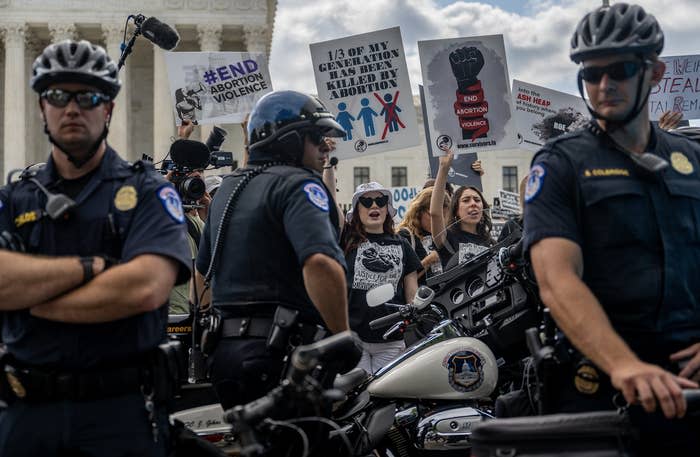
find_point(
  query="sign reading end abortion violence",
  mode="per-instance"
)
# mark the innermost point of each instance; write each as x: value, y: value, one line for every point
x: 679, y: 89
x: 363, y: 80
x: 467, y: 94
x: 543, y: 113
x: 216, y: 87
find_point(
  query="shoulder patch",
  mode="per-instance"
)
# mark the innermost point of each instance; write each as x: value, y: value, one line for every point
x: 534, y: 182
x: 171, y: 202
x: 316, y: 195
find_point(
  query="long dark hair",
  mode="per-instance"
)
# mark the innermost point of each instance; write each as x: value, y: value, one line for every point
x: 484, y: 227
x: 354, y: 232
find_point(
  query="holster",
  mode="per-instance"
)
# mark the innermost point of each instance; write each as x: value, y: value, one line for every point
x: 211, y: 331
x: 283, y: 322
x: 170, y: 370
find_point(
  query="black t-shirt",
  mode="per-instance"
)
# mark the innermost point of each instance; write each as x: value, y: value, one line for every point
x: 382, y: 259
x: 462, y: 244
x: 423, y: 246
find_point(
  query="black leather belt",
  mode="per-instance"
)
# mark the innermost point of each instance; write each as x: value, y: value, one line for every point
x: 254, y: 327
x: 39, y: 385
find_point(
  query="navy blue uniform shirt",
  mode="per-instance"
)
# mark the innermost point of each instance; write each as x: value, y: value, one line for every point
x: 282, y: 217
x: 123, y: 211
x: 639, y: 232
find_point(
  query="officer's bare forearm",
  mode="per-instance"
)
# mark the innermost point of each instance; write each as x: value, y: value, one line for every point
x: 324, y: 279
x: 132, y: 288
x: 575, y: 309
x: 27, y: 280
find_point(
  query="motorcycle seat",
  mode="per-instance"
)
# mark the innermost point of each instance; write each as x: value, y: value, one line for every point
x: 350, y: 380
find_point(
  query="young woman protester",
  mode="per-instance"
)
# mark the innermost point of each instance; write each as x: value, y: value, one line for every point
x: 375, y: 255
x: 415, y: 228
x: 467, y: 232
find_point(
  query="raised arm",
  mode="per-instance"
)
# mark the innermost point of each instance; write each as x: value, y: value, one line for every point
x: 437, y: 219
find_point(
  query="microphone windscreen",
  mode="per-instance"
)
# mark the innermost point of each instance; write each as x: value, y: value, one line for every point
x: 334, y: 161
x: 190, y: 154
x: 160, y: 33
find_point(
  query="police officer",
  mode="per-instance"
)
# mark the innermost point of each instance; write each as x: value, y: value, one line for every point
x: 612, y: 227
x: 270, y: 247
x: 84, y: 305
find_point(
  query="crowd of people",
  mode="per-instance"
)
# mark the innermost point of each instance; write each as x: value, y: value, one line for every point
x: 611, y: 222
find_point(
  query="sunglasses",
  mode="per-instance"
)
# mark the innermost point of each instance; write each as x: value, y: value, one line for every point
x: 315, y: 137
x: 85, y: 99
x: 619, y: 71
x: 381, y: 201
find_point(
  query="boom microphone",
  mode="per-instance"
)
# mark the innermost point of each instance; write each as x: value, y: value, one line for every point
x: 334, y: 161
x: 160, y: 33
x: 190, y: 154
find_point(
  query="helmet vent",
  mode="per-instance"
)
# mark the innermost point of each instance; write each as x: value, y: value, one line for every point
x: 61, y: 58
x: 73, y: 47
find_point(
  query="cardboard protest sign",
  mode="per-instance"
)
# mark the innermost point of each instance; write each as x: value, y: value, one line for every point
x: 216, y: 87
x: 363, y: 80
x: 467, y: 94
x: 679, y: 89
x: 543, y: 113
x: 401, y: 199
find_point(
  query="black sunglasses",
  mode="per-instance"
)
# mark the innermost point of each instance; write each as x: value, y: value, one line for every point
x: 316, y: 137
x: 381, y: 201
x: 619, y: 71
x: 85, y: 99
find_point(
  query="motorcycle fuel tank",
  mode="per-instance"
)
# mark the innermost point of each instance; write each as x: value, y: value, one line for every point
x: 460, y: 368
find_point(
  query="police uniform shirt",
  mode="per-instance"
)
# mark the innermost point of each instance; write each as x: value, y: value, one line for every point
x: 382, y: 259
x: 281, y: 218
x: 462, y: 246
x: 123, y: 211
x: 639, y: 232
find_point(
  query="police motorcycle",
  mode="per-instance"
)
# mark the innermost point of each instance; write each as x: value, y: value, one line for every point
x: 429, y: 398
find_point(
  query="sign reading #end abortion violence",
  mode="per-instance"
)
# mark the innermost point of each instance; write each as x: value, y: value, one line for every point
x: 467, y: 94
x: 216, y: 87
x: 679, y: 89
x: 363, y: 80
x: 543, y: 113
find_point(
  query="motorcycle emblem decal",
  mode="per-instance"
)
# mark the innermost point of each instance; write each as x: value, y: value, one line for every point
x: 534, y: 182
x: 126, y: 198
x: 16, y: 385
x: 464, y: 370
x: 681, y: 164
x: 587, y: 380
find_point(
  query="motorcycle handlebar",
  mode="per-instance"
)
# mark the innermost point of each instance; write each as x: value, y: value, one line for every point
x: 692, y: 399
x: 254, y: 411
x: 342, y: 351
x: 385, y: 321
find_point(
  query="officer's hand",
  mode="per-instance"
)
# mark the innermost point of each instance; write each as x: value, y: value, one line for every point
x: 185, y: 129
x: 670, y: 119
x: 692, y: 368
x: 646, y: 384
x: 446, y: 160
x: 476, y: 166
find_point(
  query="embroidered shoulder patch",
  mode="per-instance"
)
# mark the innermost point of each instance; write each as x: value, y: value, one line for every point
x: 172, y: 203
x: 534, y: 182
x: 316, y: 195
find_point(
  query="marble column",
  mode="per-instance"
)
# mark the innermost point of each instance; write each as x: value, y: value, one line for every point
x: 163, y: 117
x: 119, y: 125
x: 60, y: 31
x: 256, y: 38
x: 15, y: 107
x: 209, y: 36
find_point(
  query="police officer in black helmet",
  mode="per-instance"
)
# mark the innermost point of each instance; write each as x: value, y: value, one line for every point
x: 85, y: 306
x: 611, y: 225
x: 269, y: 248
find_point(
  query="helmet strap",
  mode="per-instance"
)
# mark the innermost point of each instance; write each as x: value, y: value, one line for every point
x: 78, y: 163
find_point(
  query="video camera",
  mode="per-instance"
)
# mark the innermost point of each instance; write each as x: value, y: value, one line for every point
x: 189, y: 156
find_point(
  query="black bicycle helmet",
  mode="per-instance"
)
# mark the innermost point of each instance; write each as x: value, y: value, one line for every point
x: 278, y: 120
x: 617, y: 29
x: 75, y: 62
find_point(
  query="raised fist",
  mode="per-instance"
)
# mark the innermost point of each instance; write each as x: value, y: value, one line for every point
x: 466, y: 64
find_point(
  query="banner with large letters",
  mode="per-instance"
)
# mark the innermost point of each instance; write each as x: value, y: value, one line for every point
x: 216, y: 87
x: 679, y: 89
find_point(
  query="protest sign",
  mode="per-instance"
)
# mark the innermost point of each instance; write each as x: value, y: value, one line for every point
x: 679, y: 89
x: 467, y: 94
x: 363, y: 80
x: 543, y: 113
x: 509, y: 201
x: 401, y: 199
x: 216, y: 87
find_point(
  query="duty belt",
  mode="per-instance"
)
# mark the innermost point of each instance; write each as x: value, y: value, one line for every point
x: 261, y: 327
x: 39, y: 385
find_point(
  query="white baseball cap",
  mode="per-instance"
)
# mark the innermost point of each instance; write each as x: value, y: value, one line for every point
x: 366, y: 188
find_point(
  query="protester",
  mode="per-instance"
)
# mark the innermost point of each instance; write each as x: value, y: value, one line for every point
x: 611, y: 228
x: 376, y: 256
x: 468, y: 229
x: 84, y: 309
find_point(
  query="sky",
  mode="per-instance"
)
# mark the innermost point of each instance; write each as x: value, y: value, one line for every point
x: 536, y: 32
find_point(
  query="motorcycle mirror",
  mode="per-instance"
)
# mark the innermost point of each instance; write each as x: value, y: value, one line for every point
x: 379, y: 295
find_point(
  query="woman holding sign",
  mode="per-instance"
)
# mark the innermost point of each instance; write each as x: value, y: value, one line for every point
x: 376, y: 256
x: 468, y: 232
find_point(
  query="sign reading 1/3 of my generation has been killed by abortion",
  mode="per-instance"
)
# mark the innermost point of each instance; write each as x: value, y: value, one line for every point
x: 363, y: 80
